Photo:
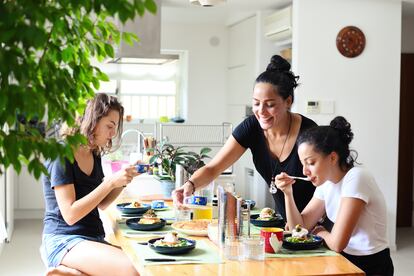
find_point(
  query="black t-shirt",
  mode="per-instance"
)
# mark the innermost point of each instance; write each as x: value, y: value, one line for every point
x: 250, y: 135
x: 70, y: 173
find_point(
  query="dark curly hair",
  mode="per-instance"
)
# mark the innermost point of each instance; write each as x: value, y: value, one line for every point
x: 279, y: 75
x: 333, y: 138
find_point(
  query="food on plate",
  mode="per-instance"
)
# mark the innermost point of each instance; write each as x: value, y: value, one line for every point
x: 149, y: 217
x: 266, y: 214
x: 134, y: 204
x: 299, y: 232
x: 198, y: 225
x: 171, y: 240
x: 300, y: 235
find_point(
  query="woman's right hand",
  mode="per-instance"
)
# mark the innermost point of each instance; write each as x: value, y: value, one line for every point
x: 179, y: 194
x: 284, y: 183
x: 123, y: 177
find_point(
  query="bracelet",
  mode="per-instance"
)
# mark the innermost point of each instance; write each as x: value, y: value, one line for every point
x: 192, y: 184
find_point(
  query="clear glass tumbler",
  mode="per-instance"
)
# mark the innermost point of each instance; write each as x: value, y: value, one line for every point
x: 182, y: 214
x: 232, y: 248
x: 252, y: 248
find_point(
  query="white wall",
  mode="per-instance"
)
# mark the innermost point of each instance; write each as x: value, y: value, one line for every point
x: 28, y: 196
x: 365, y: 89
x: 207, y: 67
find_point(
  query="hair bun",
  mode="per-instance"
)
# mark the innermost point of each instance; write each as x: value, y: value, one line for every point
x: 277, y: 63
x: 343, y: 127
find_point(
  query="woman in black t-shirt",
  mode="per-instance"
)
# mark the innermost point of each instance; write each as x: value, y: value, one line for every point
x: 73, y: 236
x: 270, y: 134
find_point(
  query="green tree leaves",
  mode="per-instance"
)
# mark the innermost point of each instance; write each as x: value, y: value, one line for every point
x: 45, y: 70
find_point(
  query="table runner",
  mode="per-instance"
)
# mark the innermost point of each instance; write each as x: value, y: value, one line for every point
x: 286, y: 253
x: 203, y: 253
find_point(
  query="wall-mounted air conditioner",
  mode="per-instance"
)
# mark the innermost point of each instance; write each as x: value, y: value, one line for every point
x: 278, y: 25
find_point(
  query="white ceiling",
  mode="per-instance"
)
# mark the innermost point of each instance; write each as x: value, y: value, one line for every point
x: 232, y: 10
x: 226, y: 13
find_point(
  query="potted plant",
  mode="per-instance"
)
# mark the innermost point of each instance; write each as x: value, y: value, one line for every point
x: 46, y: 50
x: 195, y: 160
x: 169, y: 156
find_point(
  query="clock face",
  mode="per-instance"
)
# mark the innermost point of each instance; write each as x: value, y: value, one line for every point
x: 350, y: 41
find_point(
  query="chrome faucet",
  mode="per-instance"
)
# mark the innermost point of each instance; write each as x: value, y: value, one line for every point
x: 140, y: 141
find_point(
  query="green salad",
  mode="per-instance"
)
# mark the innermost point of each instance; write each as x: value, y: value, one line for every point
x: 179, y: 243
x: 301, y: 240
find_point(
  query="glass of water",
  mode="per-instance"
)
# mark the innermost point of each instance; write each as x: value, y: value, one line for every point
x: 232, y: 248
x: 252, y: 248
x: 182, y: 214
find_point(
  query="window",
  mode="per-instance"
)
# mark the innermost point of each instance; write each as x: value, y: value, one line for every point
x: 148, y: 98
x: 146, y: 91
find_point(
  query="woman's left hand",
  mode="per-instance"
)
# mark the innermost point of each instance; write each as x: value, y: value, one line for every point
x: 284, y: 183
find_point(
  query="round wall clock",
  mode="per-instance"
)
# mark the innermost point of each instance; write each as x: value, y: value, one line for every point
x: 350, y: 41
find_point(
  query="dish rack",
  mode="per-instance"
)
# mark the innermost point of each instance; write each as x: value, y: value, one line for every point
x: 190, y: 135
x: 194, y: 136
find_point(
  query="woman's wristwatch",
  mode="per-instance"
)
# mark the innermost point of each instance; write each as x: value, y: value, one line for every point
x: 192, y: 185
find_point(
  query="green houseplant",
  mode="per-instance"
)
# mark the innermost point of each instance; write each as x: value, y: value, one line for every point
x: 169, y: 156
x: 46, y: 49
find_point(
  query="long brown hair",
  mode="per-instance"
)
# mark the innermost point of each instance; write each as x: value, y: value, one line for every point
x: 97, y: 108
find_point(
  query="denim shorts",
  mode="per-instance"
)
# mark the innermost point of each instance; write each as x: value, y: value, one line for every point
x: 55, y: 246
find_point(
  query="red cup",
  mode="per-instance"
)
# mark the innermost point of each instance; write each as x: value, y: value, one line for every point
x: 266, y: 233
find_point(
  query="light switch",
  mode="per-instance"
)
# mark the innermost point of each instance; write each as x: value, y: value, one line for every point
x: 312, y: 107
x: 327, y: 107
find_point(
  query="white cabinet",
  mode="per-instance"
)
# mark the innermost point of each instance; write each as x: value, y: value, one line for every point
x: 242, y: 42
x: 240, y: 85
x: 29, y: 192
x: 241, y: 63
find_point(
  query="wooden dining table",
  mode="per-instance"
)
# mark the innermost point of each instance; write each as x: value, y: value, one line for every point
x: 315, y: 265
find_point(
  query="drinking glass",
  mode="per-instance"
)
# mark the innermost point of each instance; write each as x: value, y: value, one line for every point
x: 252, y: 248
x: 204, y: 213
x: 182, y: 214
x: 232, y: 248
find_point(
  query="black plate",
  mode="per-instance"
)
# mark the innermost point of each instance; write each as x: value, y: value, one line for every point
x: 131, y: 210
x: 277, y: 221
x: 302, y: 246
x: 133, y: 224
x: 172, y: 250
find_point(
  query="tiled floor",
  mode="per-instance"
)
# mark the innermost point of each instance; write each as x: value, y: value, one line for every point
x: 21, y: 256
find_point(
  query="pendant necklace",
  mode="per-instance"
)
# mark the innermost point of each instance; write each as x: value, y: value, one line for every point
x: 272, y: 187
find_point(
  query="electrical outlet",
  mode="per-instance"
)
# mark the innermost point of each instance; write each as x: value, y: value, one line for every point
x: 327, y: 107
